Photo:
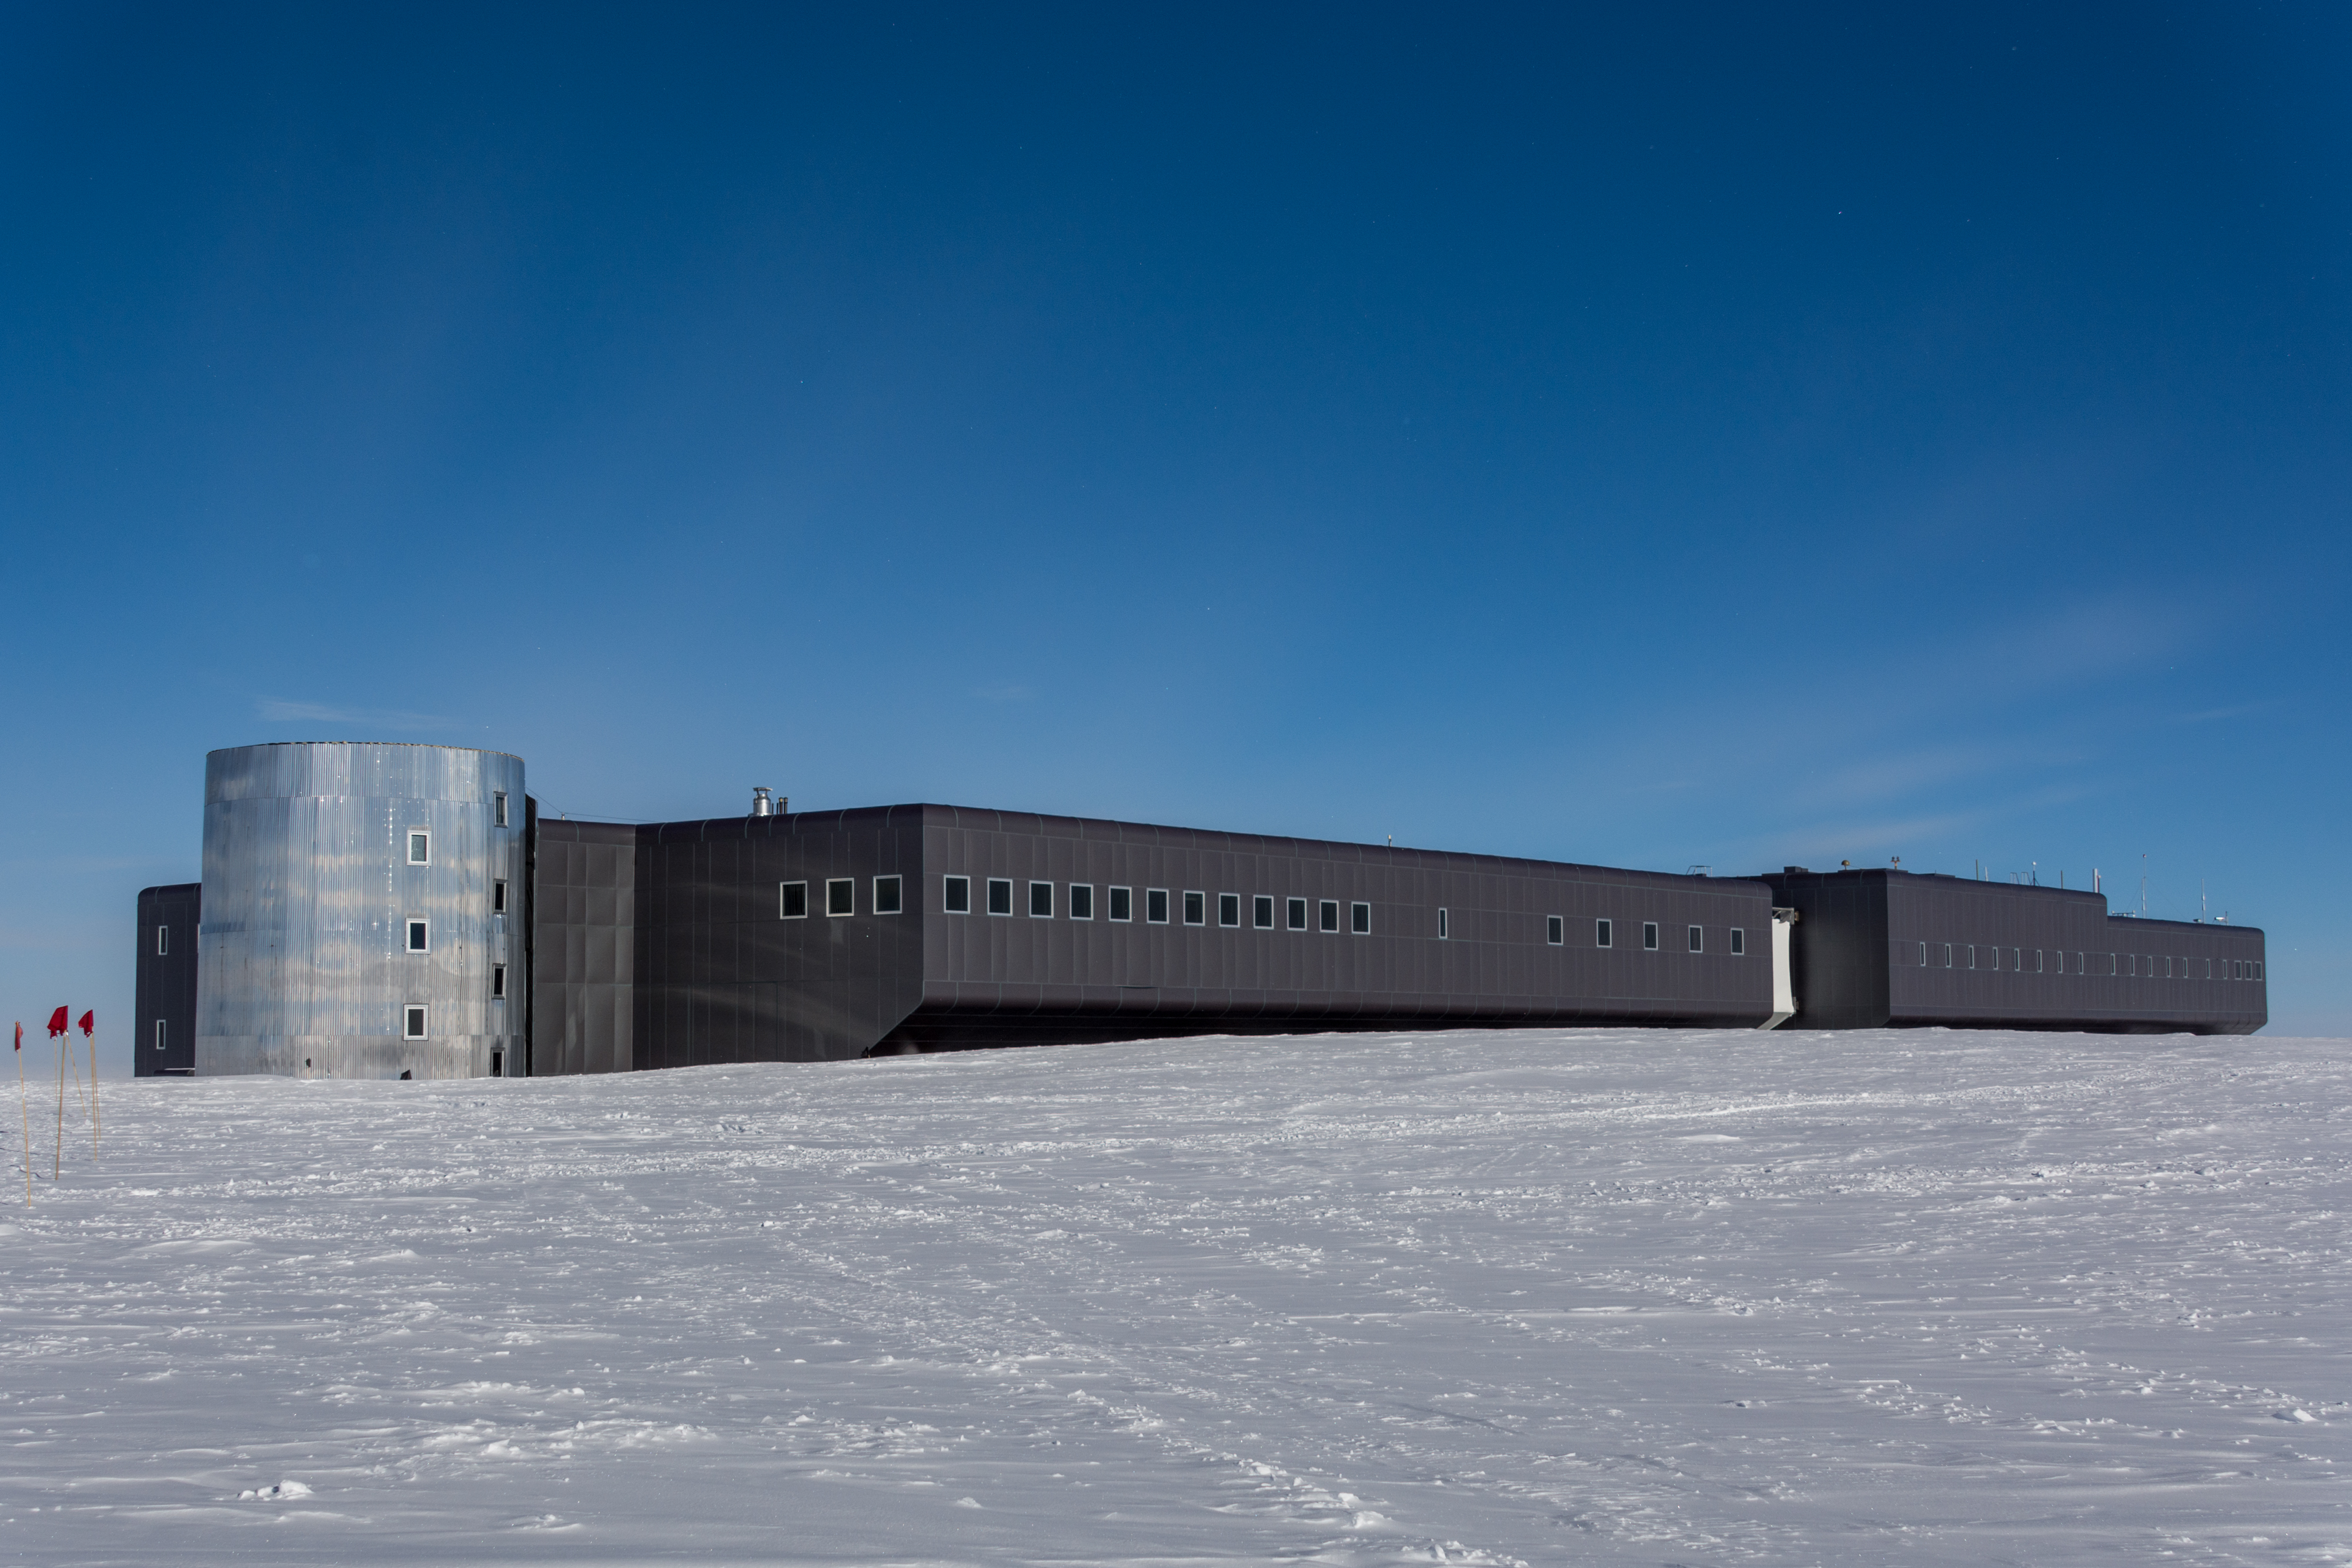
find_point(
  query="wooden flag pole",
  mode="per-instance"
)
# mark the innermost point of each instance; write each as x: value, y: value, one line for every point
x: 57, y: 1159
x: 90, y: 1036
x: 24, y: 1113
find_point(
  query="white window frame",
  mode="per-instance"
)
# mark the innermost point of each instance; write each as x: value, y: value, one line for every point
x: 947, y: 904
x: 993, y: 884
x: 1196, y: 907
x: 1047, y: 913
x: 409, y: 926
x: 1326, y: 916
x: 1604, y: 931
x: 1261, y: 904
x: 784, y: 901
x: 1161, y: 894
x: 1360, y: 918
x: 1652, y: 937
x: 1441, y: 923
x: 498, y: 895
x: 1555, y: 931
x: 1740, y: 942
x: 1295, y: 912
x: 1231, y: 901
x: 830, y: 884
x: 498, y: 982
x: 1071, y: 900
x: 1699, y: 939
x: 161, y: 1031
x: 499, y: 804
x: 898, y: 895
x: 414, y: 834
x: 416, y: 1020
x: 1111, y: 911
x: 163, y: 941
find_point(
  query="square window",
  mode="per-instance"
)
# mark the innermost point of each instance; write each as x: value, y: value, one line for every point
x: 420, y: 936
x: 1041, y: 901
x: 890, y: 895
x: 1196, y: 908
x: 1649, y: 936
x: 499, y: 800
x: 1000, y: 895
x: 164, y: 939
x: 841, y: 896
x: 1555, y: 930
x: 1739, y: 942
x: 1604, y: 934
x: 1327, y: 914
x: 1297, y: 915
x: 1155, y: 906
x: 792, y: 900
x: 412, y: 1023
x: 1262, y: 912
x: 1699, y: 939
x: 498, y: 897
x: 1441, y: 924
x: 420, y: 847
x: 1082, y: 901
x: 1360, y: 919
x: 1229, y: 909
x: 498, y: 982
x: 1122, y: 903
x: 955, y: 895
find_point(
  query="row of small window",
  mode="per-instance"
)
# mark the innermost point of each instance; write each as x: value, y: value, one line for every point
x: 2139, y: 966
x: 956, y: 898
x: 420, y: 839
x: 840, y: 897
x: 420, y: 940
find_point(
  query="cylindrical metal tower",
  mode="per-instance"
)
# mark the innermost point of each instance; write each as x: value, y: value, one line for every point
x: 363, y: 911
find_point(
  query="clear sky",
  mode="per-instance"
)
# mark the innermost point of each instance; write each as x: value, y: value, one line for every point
x: 1695, y: 438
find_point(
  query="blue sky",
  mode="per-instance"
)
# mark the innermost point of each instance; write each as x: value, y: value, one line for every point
x: 1698, y: 437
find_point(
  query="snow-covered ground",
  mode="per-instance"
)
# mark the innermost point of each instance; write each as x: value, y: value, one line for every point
x: 1604, y: 1296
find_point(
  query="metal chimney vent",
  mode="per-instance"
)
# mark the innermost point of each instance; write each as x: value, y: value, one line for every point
x: 760, y: 805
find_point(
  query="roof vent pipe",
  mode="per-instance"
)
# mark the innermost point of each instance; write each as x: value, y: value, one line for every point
x: 760, y: 805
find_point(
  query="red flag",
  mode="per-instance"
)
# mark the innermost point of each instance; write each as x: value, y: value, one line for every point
x: 88, y: 1023
x: 20, y: 1034
x: 56, y: 1023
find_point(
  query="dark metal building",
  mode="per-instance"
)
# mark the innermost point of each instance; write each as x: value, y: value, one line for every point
x: 1881, y: 948
x: 827, y: 934
x: 165, y: 1030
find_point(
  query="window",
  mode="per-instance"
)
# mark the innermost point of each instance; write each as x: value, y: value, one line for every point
x: 1699, y: 939
x: 1041, y: 901
x: 1262, y: 912
x: 1082, y: 901
x: 1649, y: 936
x: 1441, y: 924
x: 420, y: 936
x: 1122, y: 903
x: 2167, y: 966
x: 1155, y: 906
x: 2258, y: 969
x: 498, y: 897
x: 1328, y: 915
x: 1992, y: 958
x: 1922, y: 955
x: 2039, y: 958
x: 163, y: 938
x: 498, y: 800
x: 1360, y: 919
x: 1556, y: 930
x: 955, y: 895
x: 497, y: 1064
x: 1297, y: 913
x: 841, y: 896
x: 1605, y: 932
x: 792, y: 900
x: 1000, y: 895
x: 889, y: 895
x: 1948, y: 954
x: 412, y: 1023
x: 1739, y: 943
x: 1196, y: 908
x: 498, y: 982
x: 1229, y: 909
x: 2016, y: 959
x: 1972, y: 956
x: 420, y: 846
x: 158, y: 1034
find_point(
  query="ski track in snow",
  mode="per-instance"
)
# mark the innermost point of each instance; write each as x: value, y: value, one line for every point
x: 1529, y: 1297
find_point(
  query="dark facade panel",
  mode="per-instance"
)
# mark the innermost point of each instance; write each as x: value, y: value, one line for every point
x: 1001, y: 978
x: 1888, y: 948
x: 165, y: 1029
x: 582, y: 917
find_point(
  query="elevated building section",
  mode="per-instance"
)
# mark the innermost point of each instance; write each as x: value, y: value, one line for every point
x: 164, y: 1022
x: 1883, y: 948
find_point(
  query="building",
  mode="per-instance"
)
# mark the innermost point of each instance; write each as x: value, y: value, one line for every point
x: 520, y: 945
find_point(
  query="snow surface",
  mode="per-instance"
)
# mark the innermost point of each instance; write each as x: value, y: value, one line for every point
x: 1654, y: 1297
